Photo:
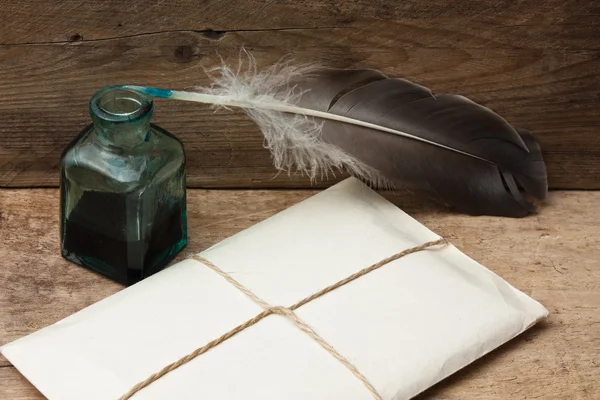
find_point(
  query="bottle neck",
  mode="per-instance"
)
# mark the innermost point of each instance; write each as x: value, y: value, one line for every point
x: 121, y: 117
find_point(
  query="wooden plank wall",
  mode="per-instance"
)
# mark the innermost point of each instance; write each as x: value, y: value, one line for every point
x: 537, y: 63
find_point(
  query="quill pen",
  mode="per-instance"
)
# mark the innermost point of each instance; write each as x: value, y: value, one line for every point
x: 390, y: 132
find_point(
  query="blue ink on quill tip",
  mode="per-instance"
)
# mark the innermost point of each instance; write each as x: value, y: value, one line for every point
x: 156, y: 92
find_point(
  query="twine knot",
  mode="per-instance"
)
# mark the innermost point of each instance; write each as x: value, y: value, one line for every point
x: 280, y: 310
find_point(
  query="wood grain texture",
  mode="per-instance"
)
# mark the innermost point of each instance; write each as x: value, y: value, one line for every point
x: 534, y: 63
x: 481, y: 23
x: 552, y: 256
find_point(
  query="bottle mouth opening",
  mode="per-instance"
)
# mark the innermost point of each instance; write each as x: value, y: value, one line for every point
x: 117, y: 104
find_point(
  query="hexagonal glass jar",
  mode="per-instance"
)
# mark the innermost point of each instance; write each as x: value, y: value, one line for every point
x: 123, y: 193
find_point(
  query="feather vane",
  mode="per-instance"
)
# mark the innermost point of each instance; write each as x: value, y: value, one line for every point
x: 388, y: 131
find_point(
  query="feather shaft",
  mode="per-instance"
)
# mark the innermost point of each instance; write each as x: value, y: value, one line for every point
x: 280, y: 107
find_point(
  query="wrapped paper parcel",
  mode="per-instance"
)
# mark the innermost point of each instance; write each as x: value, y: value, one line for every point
x: 404, y: 326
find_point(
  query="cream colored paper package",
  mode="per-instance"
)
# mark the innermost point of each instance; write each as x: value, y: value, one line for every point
x: 405, y: 326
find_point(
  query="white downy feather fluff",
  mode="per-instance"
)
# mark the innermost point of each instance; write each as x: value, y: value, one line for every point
x: 294, y: 139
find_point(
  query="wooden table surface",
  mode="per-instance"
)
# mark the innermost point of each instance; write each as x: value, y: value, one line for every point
x: 553, y: 256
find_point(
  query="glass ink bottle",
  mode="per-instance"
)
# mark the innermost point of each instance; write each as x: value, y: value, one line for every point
x: 123, y: 193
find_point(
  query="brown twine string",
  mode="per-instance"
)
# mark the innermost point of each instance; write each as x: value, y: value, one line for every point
x: 284, y: 311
